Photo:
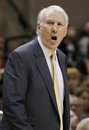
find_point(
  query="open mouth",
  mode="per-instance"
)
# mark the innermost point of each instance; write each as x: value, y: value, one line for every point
x: 54, y: 38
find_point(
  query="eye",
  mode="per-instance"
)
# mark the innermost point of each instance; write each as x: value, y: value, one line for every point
x: 50, y: 22
x: 60, y: 24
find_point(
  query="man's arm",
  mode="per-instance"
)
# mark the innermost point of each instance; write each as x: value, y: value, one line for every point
x: 14, y: 92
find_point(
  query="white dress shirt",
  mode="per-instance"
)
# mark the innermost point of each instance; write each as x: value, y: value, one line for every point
x: 47, y: 54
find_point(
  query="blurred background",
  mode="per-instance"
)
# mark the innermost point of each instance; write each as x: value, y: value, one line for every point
x: 18, y: 26
x: 17, y: 15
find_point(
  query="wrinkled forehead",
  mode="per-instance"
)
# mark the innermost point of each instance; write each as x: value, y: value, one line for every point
x: 56, y: 16
x: 53, y: 13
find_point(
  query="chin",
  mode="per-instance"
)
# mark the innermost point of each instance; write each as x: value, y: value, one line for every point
x: 53, y: 48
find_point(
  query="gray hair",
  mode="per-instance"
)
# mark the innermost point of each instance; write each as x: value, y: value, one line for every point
x: 44, y: 12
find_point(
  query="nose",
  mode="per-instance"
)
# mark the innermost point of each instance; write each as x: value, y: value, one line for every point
x: 54, y: 28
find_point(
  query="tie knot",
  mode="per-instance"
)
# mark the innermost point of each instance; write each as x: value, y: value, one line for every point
x: 53, y: 56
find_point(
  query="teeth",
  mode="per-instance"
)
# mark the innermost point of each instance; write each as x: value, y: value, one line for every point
x: 54, y: 38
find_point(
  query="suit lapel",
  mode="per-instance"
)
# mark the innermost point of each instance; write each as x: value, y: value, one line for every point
x: 44, y: 71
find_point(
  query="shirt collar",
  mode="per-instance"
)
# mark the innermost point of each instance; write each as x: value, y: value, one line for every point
x: 46, y: 51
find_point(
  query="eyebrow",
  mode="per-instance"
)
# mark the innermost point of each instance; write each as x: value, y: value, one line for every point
x: 49, y: 20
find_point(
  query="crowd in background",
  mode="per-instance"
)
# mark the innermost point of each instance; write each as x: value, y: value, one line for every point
x: 76, y: 46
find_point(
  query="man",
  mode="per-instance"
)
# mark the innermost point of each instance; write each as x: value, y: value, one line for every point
x: 29, y: 101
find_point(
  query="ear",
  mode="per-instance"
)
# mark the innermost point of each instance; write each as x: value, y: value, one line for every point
x: 65, y: 32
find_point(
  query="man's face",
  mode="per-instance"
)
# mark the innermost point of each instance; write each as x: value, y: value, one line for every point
x: 52, y: 29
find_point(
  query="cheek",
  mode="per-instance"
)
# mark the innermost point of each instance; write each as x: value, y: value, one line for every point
x: 60, y: 36
x: 44, y: 32
x: 62, y: 33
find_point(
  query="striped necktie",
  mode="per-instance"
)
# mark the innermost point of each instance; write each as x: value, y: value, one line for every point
x: 56, y: 88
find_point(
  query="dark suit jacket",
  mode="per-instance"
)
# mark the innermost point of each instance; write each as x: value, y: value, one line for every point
x: 28, y: 96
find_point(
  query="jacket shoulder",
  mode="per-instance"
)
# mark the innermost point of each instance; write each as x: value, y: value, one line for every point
x: 26, y: 47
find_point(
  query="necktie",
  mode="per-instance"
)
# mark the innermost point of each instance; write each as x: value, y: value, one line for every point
x: 56, y: 88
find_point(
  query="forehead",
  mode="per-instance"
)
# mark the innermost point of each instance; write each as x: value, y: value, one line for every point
x: 55, y: 15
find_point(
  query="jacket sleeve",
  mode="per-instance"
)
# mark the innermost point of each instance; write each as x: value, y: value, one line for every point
x: 14, y: 92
